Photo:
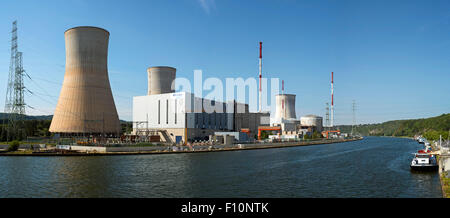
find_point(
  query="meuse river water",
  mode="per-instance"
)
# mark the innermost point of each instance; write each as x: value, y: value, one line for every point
x: 373, y: 167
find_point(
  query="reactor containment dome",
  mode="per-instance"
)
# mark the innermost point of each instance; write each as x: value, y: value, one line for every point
x: 86, y: 104
x: 312, y: 121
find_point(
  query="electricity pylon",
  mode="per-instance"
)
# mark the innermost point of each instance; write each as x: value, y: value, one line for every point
x: 15, y: 102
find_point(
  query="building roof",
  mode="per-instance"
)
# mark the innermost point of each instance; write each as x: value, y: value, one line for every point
x: 312, y: 116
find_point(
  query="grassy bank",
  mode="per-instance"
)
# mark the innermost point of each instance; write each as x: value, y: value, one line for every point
x: 445, y: 182
x: 24, y: 152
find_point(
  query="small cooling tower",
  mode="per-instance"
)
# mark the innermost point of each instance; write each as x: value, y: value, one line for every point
x: 285, y: 107
x: 160, y: 80
x: 86, y: 104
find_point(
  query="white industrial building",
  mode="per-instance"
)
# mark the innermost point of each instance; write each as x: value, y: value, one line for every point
x: 181, y: 117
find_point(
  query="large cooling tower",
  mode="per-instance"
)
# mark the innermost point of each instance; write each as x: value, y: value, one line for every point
x: 160, y: 80
x: 285, y: 107
x: 86, y: 104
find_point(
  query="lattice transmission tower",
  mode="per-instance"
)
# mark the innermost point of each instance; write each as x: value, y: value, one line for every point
x: 354, y: 115
x: 15, y: 102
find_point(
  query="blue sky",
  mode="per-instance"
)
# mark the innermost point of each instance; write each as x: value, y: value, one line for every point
x: 391, y: 57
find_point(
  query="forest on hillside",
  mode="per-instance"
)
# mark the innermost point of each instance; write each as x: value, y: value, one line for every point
x: 36, y: 126
x: 430, y: 128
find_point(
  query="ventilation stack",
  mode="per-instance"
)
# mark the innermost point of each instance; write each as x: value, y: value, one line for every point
x: 86, y: 104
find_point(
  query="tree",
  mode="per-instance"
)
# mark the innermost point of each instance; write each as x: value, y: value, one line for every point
x: 306, y: 136
x: 14, y: 146
x: 264, y: 135
x: 316, y: 135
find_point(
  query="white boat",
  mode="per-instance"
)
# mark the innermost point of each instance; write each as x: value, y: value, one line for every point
x: 421, y: 140
x: 424, y: 162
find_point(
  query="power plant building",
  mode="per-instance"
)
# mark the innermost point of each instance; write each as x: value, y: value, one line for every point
x: 180, y: 116
x: 86, y: 104
x: 173, y: 115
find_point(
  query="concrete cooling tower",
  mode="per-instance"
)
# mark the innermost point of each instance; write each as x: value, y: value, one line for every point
x: 160, y: 80
x: 86, y: 104
x: 285, y: 107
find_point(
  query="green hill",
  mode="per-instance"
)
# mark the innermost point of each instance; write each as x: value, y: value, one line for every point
x: 38, y: 126
x: 4, y: 116
x: 431, y: 128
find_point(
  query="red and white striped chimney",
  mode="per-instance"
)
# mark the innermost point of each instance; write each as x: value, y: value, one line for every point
x: 260, y: 76
x: 332, y: 99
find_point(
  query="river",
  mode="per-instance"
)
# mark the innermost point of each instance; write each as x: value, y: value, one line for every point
x: 373, y: 167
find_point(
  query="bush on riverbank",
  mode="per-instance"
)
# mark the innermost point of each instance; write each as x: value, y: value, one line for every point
x: 315, y: 135
x: 13, y: 146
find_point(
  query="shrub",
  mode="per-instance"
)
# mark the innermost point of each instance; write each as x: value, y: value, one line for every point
x: 306, y: 136
x: 14, y: 146
x: 316, y: 135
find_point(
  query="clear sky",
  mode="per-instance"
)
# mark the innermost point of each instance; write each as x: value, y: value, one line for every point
x: 391, y: 57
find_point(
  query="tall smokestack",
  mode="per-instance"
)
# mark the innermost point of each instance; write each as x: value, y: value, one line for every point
x: 260, y: 76
x: 332, y: 99
x: 282, y: 101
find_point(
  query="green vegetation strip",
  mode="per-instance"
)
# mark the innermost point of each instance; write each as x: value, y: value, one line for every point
x: 445, y: 182
x: 430, y: 128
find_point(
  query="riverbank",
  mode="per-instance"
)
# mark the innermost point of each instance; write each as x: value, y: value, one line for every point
x: 236, y: 147
x: 443, y: 177
x: 400, y: 137
x: 445, y: 185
